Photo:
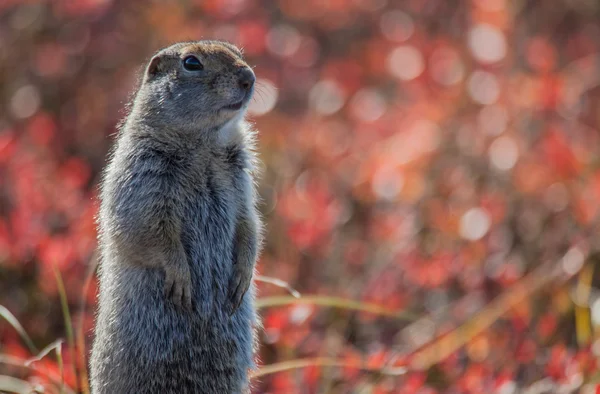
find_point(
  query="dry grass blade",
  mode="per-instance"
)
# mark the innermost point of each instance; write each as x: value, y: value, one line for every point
x: 443, y: 346
x: 57, y: 347
x: 9, y: 384
x: 67, y: 318
x: 336, y: 302
x: 278, y: 283
x: 22, y: 363
x: 83, y: 376
x: 325, y: 362
x: 79, y: 334
x: 12, y: 320
x: 581, y: 296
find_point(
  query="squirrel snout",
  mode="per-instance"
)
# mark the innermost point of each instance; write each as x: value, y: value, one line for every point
x: 246, y: 78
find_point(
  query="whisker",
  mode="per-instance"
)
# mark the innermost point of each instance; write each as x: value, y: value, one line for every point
x: 260, y: 94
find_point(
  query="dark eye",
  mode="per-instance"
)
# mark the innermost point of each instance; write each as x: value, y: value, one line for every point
x: 191, y: 63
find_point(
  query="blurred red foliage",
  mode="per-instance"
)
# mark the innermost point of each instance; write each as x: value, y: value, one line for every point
x: 422, y: 155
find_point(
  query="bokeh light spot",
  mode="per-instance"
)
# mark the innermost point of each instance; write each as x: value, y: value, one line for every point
x: 573, y: 261
x: 483, y: 87
x: 504, y: 153
x: 300, y: 313
x: 367, y: 105
x: 326, y: 97
x: 419, y: 332
x: 387, y: 183
x: 25, y: 102
x: 421, y: 137
x: 508, y: 387
x: 283, y: 40
x: 307, y: 53
x: 487, y: 43
x: 474, y: 224
x: 446, y: 66
x: 595, y: 309
x: 405, y: 62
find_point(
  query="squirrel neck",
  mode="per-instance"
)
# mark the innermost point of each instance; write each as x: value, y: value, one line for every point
x: 150, y: 125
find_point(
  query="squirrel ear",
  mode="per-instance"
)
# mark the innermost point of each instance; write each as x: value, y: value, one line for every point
x: 154, y: 66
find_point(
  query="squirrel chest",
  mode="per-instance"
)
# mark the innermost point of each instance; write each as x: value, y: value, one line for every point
x: 211, y: 185
x: 206, y: 188
x: 213, y: 195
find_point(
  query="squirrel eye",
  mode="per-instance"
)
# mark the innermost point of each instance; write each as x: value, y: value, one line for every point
x: 191, y: 63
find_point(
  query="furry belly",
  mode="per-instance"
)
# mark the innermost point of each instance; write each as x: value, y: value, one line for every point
x: 144, y: 343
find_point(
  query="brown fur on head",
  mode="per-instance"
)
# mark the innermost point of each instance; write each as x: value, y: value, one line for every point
x: 195, y: 86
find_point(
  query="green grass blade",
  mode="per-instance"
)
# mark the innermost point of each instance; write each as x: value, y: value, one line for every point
x: 12, y: 320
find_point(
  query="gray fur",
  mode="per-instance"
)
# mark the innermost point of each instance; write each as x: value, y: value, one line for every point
x: 179, y: 234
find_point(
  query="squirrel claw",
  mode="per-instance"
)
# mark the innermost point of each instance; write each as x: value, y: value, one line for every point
x: 236, y: 295
x: 178, y: 288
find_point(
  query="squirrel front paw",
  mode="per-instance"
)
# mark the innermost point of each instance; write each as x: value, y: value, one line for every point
x: 240, y: 282
x: 178, y: 284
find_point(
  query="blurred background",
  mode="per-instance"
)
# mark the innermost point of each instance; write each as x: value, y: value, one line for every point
x: 431, y: 184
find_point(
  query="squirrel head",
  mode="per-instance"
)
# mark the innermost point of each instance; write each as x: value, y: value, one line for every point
x: 196, y: 86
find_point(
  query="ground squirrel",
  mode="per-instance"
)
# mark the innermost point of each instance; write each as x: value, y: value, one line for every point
x: 179, y: 231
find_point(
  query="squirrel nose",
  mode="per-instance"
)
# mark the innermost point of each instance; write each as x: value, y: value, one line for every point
x: 246, y: 78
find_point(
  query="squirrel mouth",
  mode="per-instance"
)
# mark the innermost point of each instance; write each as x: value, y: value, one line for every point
x: 235, y: 107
